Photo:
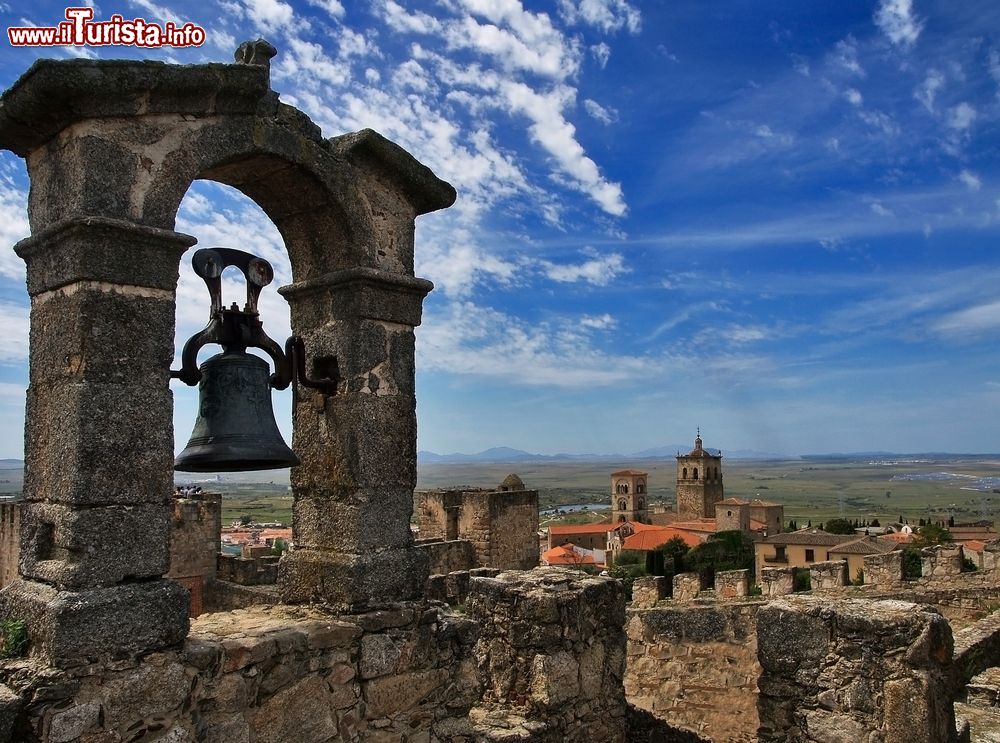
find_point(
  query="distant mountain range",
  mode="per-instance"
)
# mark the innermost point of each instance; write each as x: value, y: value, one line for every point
x: 504, y: 454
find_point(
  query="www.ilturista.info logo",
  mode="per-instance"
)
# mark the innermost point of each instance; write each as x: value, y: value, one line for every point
x: 80, y: 30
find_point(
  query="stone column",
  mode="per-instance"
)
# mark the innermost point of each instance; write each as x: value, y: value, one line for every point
x: 354, y: 488
x: 98, y: 442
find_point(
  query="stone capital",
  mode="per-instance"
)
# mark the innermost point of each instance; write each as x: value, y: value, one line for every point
x: 361, y: 293
x: 102, y: 249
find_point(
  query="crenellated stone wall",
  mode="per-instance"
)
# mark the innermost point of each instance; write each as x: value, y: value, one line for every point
x: 696, y: 666
x: 777, y: 581
x: 828, y: 575
x: 853, y: 670
x: 447, y: 557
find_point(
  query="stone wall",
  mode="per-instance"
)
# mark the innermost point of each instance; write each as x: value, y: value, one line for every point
x: 941, y: 561
x: 551, y: 652
x: 195, y: 541
x: 648, y: 590
x: 447, y: 557
x: 696, y: 666
x: 777, y: 581
x: 851, y: 670
x: 732, y: 584
x: 502, y: 525
x: 686, y: 586
x: 884, y: 570
x: 827, y: 575
x: 248, y: 571
x: 10, y: 535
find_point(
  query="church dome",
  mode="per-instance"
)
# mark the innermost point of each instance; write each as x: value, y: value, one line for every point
x: 511, y: 482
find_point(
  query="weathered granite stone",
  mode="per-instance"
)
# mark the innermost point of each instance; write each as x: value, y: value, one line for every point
x: 686, y: 586
x: 67, y: 627
x: 10, y: 708
x: 732, y: 584
x: 646, y: 591
x: 885, y: 571
x: 829, y: 575
x: 848, y: 670
x: 777, y: 581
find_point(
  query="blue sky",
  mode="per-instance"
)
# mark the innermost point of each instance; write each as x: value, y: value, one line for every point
x: 777, y: 221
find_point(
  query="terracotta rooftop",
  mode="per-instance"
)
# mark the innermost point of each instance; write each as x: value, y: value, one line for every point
x: 566, y: 555
x: 733, y: 502
x: 763, y: 503
x: 650, y: 539
x: 604, y: 526
x: 626, y: 473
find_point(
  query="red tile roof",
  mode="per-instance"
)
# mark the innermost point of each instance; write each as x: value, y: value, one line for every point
x: 583, y: 528
x: 650, y: 539
x: 626, y: 473
x: 566, y: 555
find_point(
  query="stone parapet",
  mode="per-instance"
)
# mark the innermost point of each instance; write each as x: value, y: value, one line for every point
x: 884, y: 571
x: 732, y: 584
x: 829, y: 575
x: 854, y: 670
x: 696, y: 666
x: 941, y: 561
x: 646, y: 591
x: 552, y: 648
x: 686, y: 586
x: 777, y: 581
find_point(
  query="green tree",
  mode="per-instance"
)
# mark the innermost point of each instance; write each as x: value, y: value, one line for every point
x: 912, y: 562
x: 931, y: 534
x: 629, y: 565
x: 279, y: 546
x: 875, y: 522
x: 724, y: 550
x: 668, y: 558
x: 839, y: 526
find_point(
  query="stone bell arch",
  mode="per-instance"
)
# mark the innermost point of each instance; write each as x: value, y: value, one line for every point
x: 111, y: 148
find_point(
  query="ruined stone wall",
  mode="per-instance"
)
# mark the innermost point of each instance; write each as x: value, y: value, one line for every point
x: 447, y: 557
x: 195, y: 536
x: 827, y: 575
x: 696, y: 666
x: 513, y: 530
x: 850, y: 670
x: 432, y: 512
x: 10, y: 529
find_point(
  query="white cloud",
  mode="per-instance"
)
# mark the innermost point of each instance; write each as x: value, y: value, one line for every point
x: 598, y: 322
x: 599, y: 270
x: 896, y: 20
x: 845, y: 55
x: 557, y: 136
x: 961, y: 116
x: 596, y: 111
x: 970, y: 179
x: 881, y: 210
x: 333, y: 7
x: 853, y: 95
x: 14, y: 321
x: 602, y: 53
x: 269, y: 13
x: 468, y: 339
x: 542, y: 50
x: 607, y: 15
x: 742, y: 334
x: 459, y: 266
x: 970, y: 321
x: 13, y: 216
x: 399, y: 19
x: 927, y: 92
x: 994, y: 65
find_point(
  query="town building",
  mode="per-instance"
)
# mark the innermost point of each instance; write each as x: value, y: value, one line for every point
x: 629, y: 496
x: 810, y: 545
x: 699, y: 482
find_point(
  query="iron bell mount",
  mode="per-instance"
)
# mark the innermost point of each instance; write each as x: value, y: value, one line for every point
x: 235, y: 430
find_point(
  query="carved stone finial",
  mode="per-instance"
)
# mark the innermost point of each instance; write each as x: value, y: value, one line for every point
x: 257, y: 52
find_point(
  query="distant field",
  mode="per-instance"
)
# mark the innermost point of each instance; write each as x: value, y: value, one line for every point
x: 810, y: 490
x: 815, y: 490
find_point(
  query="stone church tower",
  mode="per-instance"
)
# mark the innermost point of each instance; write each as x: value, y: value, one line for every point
x: 699, y: 483
x: 628, y: 496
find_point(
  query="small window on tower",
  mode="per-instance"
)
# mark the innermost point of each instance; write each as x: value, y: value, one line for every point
x: 695, y: 475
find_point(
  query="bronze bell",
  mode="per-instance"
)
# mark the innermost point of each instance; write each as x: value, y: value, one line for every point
x: 235, y: 430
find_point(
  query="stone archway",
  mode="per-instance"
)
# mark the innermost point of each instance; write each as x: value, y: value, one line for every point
x: 111, y: 149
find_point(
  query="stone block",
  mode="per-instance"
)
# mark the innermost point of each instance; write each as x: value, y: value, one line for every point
x: 379, y: 656
x: 352, y: 581
x: 300, y: 712
x: 10, y: 708
x: 115, y: 443
x: 158, y: 687
x: 393, y: 695
x: 646, y: 591
x: 348, y: 520
x: 69, y: 724
x: 884, y: 570
x: 123, y: 621
x: 829, y: 575
x: 732, y: 584
x: 110, y: 251
x: 92, y: 547
x: 686, y: 586
x: 941, y: 561
x: 777, y: 581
